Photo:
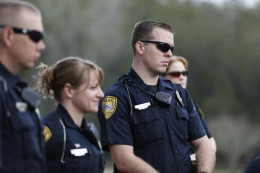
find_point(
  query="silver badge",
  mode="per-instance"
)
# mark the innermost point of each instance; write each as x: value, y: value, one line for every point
x: 179, y: 98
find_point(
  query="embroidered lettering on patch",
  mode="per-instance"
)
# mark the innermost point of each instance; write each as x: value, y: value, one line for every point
x: 109, y: 105
x: 47, y: 133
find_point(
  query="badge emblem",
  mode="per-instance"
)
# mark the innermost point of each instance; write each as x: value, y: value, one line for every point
x: 179, y: 98
x: 109, y: 105
x: 47, y: 133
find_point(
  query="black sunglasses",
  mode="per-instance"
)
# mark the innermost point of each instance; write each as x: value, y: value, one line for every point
x: 164, y: 47
x: 177, y: 74
x: 34, y: 35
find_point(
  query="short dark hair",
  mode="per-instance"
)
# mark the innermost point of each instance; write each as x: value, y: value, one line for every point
x: 142, y: 30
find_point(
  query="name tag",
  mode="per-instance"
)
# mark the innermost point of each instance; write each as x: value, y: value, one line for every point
x: 142, y: 106
x: 79, y: 152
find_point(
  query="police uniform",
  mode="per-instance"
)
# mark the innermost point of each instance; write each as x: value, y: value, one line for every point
x: 69, y: 148
x: 132, y: 114
x: 254, y: 165
x: 21, y: 139
x: 202, y: 118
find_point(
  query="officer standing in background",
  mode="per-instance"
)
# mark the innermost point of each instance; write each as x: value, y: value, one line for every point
x: 146, y: 121
x: 21, y: 43
x: 254, y: 165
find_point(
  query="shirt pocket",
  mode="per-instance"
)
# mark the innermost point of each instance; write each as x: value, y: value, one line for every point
x: 182, y: 122
x: 147, y: 126
x: 78, y: 163
x: 24, y: 133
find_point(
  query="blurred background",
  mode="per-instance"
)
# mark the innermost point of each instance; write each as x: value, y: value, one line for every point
x: 220, y: 39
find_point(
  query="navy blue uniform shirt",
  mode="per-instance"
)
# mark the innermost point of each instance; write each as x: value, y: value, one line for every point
x: 201, y: 115
x: 254, y: 165
x: 21, y: 139
x: 69, y: 148
x: 159, y: 133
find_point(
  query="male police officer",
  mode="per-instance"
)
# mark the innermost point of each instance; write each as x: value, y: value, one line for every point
x: 21, y: 140
x: 146, y: 121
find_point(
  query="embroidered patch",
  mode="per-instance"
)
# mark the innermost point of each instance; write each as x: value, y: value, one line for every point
x: 47, y: 133
x: 109, y: 105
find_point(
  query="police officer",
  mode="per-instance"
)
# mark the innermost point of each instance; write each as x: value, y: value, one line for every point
x: 177, y: 72
x: 21, y: 43
x: 70, y: 141
x: 146, y: 121
x: 254, y: 165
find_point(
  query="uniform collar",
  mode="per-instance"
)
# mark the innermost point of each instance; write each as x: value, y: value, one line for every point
x: 67, y: 118
x: 11, y: 79
x: 134, y: 78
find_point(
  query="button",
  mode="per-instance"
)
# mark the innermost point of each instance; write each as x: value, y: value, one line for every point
x: 171, y: 132
x: 147, y: 118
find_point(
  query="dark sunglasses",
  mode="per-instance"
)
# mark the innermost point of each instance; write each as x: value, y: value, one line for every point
x: 34, y: 35
x: 177, y: 74
x: 164, y: 47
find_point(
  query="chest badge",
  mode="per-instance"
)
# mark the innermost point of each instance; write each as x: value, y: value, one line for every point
x: 179, y: 98
x: 142, y: 106
x: 109, y: 105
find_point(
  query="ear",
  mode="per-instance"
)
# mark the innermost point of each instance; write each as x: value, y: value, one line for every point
x: 139, y: 46
x: 68, y: 91
x: 7, y: 36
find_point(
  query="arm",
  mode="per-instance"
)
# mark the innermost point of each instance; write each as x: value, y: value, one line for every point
x: 213, y: 144
x: 126, y: 161
x: 205, y: 154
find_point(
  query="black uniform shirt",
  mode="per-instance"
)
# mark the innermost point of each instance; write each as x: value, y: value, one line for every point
x: 159, y: 133
x: 21, y: 140
x: 70, y: 148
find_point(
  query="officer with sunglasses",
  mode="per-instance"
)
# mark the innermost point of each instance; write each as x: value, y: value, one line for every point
x: 147, y: 123
x: 21, y: 43
x: 177, y: 72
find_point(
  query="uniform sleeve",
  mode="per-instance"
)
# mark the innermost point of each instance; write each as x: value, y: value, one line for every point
x: 254, y: 165
x: 1, y: 126
x: 195, y: 127
x: 114, y: 120
x: 204, y: 125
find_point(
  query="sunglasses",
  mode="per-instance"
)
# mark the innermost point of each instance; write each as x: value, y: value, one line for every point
x: 34, y: 35
x: 164, y: 47
x: 177, y: 74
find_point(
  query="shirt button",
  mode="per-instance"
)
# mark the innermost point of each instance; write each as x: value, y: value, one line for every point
x: 147, y: 118
x: 176, y: 152
x: 171, y: 132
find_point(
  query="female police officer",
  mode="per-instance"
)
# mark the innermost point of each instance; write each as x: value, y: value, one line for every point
x: 177, y: 72
x: 70, y: 141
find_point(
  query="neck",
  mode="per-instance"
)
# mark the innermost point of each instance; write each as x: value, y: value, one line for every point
x: 76, y: 116
x: 149, y: 77
x: 10, y: 65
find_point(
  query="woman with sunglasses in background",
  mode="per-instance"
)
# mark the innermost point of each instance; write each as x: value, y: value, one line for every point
x: 70, y: 141
x: 177, y: 72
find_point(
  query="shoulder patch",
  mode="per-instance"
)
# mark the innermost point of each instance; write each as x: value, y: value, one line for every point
x: 47, y: 133
x: 109, y: 105
x: 201, y: 112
